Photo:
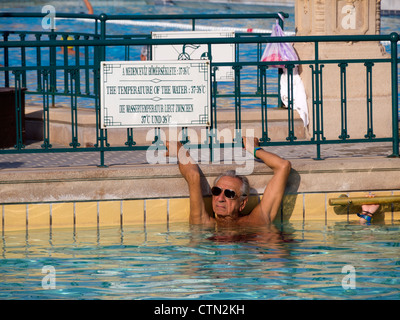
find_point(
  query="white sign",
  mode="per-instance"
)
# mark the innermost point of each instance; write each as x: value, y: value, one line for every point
x: 155, y: 94
x: 220, y: 52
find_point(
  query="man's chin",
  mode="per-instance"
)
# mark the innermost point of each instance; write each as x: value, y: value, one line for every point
x: 221, y: 215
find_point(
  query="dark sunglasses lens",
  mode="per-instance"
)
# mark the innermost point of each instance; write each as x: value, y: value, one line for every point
x: 230, y: 194
x: 215, y: 191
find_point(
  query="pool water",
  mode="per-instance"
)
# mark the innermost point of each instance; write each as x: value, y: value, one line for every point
x: 296, y: 260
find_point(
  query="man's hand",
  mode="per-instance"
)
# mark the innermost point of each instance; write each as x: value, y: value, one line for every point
x: 172, y: 148
x: 249, y: 144
x: 370, y: 208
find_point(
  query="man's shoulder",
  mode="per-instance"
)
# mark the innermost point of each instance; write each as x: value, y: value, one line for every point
x: 253, y: 218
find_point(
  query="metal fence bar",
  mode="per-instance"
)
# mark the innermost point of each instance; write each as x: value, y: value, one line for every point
x: 291, y: 136
x: 46, y: 110
x: 23, y: 60
x: 38, y: 63
x: 238, y: 104
x: 73, y: 78
x: 6, y: 72
x: 264, y: 113
x: 343, y: 101
x: 370, y: 126
x: 18, y: 110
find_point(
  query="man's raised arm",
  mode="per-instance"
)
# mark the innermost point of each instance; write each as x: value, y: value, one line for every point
x: 274, y: 191
x: 191, y: 173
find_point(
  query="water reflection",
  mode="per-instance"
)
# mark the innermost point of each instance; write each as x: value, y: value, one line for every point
x: 293, y: 260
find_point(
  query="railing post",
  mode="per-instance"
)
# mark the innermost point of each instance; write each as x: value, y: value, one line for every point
x: 394, y: 38
x: 130, y: 142
x: 185, y: 136
x: 18, y: 111
x: 102, y: 136
x: 291, y: 137
x: 87, y: 81
x: 370, y: 126
x: 74, y: 107
x: 6, y: 62
x: 65, y: 51
x: 343, y: 101
x: 53, y: 72
x: 263, y: 93
x: 212, y: 138
x: 22, y: 37
x: 318, y: 119
x: 39, y: 64
x: 77, y: 64
x: 46, y: 116
x: 238, y: 105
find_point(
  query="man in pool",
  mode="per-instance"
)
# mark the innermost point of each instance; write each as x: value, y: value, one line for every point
x: 230, y: 192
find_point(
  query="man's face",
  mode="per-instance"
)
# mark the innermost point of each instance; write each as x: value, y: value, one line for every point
x: 224, y: 206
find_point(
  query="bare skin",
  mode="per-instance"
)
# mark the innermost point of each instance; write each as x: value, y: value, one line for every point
x: 369, y: 209
x: 88, y: 6
x: 226, y: 212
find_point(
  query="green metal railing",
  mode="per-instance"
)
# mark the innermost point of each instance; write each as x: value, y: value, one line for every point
x: 94, y: 48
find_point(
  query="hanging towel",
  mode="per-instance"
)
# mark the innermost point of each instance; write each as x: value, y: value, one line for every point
x: 299, y: 94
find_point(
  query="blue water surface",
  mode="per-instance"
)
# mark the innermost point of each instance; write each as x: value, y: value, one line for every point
x: 294, y: 261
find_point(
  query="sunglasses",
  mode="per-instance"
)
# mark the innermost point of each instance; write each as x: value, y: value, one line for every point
x: 229, y: 194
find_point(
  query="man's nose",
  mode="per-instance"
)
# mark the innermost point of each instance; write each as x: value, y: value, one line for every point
x: 221, y: 197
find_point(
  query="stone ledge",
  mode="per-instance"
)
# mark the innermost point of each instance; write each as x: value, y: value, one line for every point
x: 155, y: 181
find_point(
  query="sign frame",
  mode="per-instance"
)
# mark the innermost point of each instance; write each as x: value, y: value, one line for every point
x: 159, y: 93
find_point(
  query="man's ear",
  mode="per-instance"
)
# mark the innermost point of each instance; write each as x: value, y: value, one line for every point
x: 243, y: 204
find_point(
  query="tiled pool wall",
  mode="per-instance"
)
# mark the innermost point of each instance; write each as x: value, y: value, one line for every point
x: 121, y: 213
